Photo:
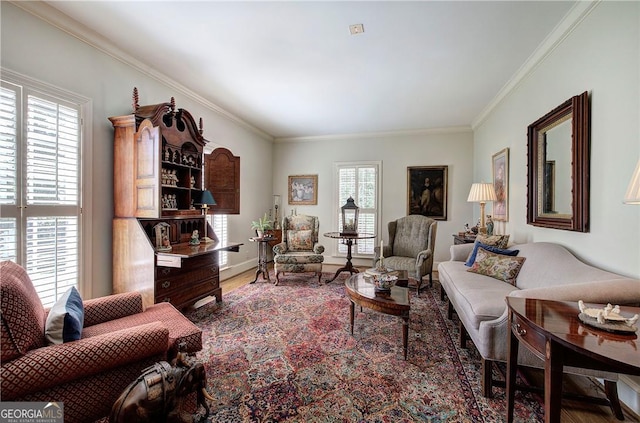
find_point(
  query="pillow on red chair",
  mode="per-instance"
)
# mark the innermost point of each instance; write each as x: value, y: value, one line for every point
x: 66, y: 318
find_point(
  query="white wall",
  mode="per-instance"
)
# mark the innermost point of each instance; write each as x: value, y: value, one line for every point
x: 601, y: 56
x: 36, y: 49
x: 453, y: 148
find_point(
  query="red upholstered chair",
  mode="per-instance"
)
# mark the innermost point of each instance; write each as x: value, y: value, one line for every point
x: 119, y: 340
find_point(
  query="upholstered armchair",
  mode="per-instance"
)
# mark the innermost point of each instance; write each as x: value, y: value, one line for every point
x: 299, y: 250
x: 119, y: 339
x: 412, y: 241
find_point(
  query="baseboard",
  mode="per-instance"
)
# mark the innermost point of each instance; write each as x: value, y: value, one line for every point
x: 231, y: 271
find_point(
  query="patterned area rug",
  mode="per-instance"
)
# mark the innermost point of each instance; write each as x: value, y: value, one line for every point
x: 284, y: 354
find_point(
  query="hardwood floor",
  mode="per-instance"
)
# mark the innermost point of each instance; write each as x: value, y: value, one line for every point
x: 572, y: 411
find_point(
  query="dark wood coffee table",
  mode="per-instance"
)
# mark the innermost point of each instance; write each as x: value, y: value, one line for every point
x: 395, y: 303
x: 553, y: 332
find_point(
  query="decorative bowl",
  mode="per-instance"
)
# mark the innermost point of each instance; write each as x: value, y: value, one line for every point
x: 384, y: 282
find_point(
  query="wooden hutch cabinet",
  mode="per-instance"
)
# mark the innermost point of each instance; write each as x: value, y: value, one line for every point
x: 159, y: 174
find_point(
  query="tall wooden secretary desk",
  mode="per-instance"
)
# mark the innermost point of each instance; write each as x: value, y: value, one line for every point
x: 158, y: 179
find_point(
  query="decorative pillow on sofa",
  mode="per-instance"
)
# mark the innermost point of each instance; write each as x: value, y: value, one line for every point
x: 300, y: 240
x: 476, y: 245
x: 66, y: 318
x: 498, y: 266
x: 500, y: 241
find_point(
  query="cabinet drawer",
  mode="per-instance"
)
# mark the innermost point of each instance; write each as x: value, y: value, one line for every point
x: 185, y: 280
x: 528, y: 334
x: 191, y: 293
x: 188, y: 267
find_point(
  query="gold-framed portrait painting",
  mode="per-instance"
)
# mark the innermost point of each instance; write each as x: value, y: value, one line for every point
x: 500, y: 166
x: 427, y: 191
x: 303, y: 190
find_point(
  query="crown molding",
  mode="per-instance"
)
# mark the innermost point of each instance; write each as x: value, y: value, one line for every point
x: 406, y: 133
x: 54, y: 17
x: 565, y: 27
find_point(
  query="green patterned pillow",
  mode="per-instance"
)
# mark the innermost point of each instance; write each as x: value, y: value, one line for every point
x: 300, y: 240
x: 499, y: 241
x: 497, y: 266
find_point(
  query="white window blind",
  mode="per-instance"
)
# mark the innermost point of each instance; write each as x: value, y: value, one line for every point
x: 220, y: 227
x: 360, y: 181
x: 40, y: 185
x: 9, y: 105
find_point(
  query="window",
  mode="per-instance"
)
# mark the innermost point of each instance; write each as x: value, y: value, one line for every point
x: 219, y: 224
x: 40, y: 186
x: 360, y: 181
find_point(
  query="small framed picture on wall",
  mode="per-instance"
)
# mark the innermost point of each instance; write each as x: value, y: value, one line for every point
x: 303, y: 190
x: 501, y: 185
x: 427, y: 191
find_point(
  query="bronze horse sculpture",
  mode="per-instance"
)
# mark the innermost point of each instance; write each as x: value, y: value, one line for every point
x: 157, y: 395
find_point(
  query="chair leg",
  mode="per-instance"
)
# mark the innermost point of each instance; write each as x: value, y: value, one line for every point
x: 487, y: 380
x: 319, y: 277
x: 277, y: 279
x: 611, y: 390
x: 431, y: 280
x: 441, y: 293
x: 449, y: 311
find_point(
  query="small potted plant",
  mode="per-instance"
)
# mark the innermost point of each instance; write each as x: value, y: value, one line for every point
x: 261, y: 225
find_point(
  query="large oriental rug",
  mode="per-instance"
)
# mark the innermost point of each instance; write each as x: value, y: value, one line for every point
x: 284, y: 354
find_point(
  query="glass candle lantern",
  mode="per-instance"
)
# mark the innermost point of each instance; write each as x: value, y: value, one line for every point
x: 349, y: 218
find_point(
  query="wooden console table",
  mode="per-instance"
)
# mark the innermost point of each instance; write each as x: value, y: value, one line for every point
x: 467, y: 239
x: 553, y: 332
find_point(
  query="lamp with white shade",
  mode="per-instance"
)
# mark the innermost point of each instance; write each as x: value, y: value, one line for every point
x: 481, y: 193
x: 633, y: 191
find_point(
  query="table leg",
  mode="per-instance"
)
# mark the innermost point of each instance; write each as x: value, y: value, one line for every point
x: 262, y: 262
x: 553, y: 382
x: 405, y: 335
x: 265, y: 269
x: 512, y: 366
x: 348, y: 267
x: 352, y: 307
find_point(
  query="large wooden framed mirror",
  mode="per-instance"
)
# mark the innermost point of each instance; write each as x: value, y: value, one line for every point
x: 558, y: 167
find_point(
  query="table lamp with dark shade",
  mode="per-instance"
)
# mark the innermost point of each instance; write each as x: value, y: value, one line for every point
x: 206, y: 200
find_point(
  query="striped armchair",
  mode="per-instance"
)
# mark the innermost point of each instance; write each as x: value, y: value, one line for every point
x: 412, y: 242
x: 119, y: 340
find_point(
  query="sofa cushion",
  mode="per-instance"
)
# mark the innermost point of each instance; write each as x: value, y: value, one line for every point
x: 498, y: 266
x: 300, y: 240
x: 476, y: 245
x: 476, y: 297
x: 66, y: 318
x: 22, y: 313
x: 180, y: 328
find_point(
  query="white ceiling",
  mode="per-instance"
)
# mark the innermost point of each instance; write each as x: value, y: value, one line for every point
x: 292, y: 69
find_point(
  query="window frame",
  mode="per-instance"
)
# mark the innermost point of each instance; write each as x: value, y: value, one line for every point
x: 29, y: 85
x: 337, y: 166
x: 223, y: 235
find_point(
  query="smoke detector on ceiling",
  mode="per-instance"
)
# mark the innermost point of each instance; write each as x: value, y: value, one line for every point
x: 356, y: 29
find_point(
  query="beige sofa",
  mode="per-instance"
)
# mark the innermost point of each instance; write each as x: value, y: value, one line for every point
x: 550, y: 271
